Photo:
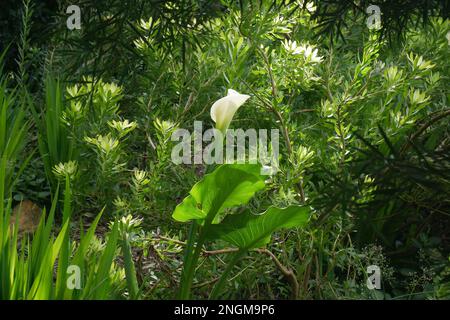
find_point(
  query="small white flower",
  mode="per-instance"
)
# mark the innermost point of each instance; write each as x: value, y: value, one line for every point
x: 223, y: 110
x: 122, y: 127
x: 146, y: 24
x: 62, y: 170
x: 105, y: 144
x: 310, y: 7
x: 73, y: 91
x: 140, y: 178
x: 291, y: 47
x: 309, y: 52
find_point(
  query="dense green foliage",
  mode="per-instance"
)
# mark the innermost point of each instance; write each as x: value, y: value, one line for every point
x: 364, y: 167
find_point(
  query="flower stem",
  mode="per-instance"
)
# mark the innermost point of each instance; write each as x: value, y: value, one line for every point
x: 223, y: 278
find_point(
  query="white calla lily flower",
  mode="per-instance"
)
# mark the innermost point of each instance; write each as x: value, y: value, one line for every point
x: 223, y: 110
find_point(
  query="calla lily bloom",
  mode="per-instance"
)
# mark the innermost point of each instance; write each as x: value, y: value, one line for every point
x: 223, y: 110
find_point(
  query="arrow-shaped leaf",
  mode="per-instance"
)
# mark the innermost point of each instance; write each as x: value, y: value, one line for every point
x: 228, y: 186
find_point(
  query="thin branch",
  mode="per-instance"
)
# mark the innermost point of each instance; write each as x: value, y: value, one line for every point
x: 206, y: 283
x: 424, y: 127
x: 287, y: 272
x: 284, y: 131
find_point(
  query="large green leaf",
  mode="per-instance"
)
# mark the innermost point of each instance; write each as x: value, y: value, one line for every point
x: 228, y: 186
x: 248, y: 231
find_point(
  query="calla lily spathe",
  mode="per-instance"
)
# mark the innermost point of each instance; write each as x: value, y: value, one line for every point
x: 223, y: 110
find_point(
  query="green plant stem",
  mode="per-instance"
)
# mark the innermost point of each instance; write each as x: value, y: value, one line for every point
x: 130, y: 271
x: 223, y: 278
x: 190, y: 260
